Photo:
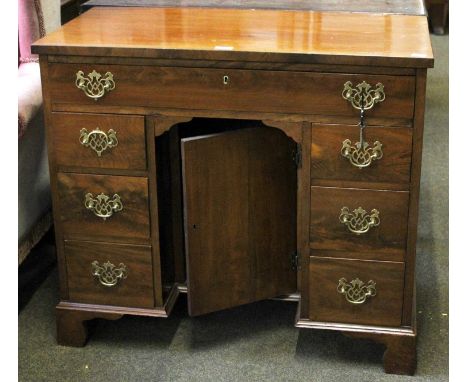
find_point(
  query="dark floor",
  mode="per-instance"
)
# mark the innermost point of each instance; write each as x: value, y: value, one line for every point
x: 258, y: 342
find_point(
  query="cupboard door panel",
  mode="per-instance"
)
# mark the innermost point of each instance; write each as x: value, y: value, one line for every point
x: 272, y: 211
x: 240, y: 213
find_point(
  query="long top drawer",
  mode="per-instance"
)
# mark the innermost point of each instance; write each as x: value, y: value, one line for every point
x: 225, y: 89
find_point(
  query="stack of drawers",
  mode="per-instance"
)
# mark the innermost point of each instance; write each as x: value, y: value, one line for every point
x: 104, y: 207
x: 359, y: 217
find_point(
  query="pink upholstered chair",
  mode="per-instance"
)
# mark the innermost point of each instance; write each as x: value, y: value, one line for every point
x: 35, y: 19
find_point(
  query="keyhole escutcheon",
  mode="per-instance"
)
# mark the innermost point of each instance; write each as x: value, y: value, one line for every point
x: 225, y: 80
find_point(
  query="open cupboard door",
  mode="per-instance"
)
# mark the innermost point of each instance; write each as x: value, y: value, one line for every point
x: 240, y: 217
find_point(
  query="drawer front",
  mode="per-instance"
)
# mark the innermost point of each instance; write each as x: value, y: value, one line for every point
x: 338, y: 224
x: 98, y: 140
x: 109, y: 274
x: 355, y: 292
x: 335, y: 155
x: 101, y: 207
x: 228, y: 89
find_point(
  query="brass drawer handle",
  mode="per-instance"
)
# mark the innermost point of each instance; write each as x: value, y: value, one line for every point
x: 356, y: 292
x: 363, y: 97
x: 95, y: 85
x: 102, y: 205
x: 361, y: 155
x: 108, y: 274
x: 98, y: 140
x: 359, y: 221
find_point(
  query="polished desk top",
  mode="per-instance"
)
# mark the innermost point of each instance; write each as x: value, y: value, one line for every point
x: 407, y: 7
x: 245, y: 35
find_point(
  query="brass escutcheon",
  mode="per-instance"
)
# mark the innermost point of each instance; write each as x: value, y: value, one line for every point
x: 356, y: 292
x: 108, y: 274
x: 102, y: 205
x: 359, y: 221
x: 361, y: 155
x: 98, y: 140
x: 95, y: 85
x: 363, y: 97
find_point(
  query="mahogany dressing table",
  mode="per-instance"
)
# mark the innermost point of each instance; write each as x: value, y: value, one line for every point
x: 238, y: 155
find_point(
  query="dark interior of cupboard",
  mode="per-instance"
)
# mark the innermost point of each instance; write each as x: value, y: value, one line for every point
x: 227, y: 207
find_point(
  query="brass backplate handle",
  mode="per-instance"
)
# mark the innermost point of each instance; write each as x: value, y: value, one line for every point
x: 356, y: 291
x: 95, y: 85
x: 359, y: 221
x: 363, y: 96
x: 98, y: 140
x: 102, y: 205
x: 108, y: 274
x: 361, y: 155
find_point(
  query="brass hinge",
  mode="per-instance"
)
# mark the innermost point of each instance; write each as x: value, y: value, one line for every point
x: 295, y: 260
x: 297, y: 155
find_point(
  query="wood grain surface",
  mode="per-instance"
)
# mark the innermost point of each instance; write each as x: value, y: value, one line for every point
x: 413, y: 214
x: 326, y: 304
x: 246, y: 90
x: 240, y: 222
x: 135, y: 290
x: 245, y: 35
x: 384, y: 242
x: 130, y: 152
x: 130, y: 225
x: 394, y: 166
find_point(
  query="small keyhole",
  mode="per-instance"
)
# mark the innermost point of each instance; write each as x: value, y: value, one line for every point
x: 225, y: 80
x: 194, y: 226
